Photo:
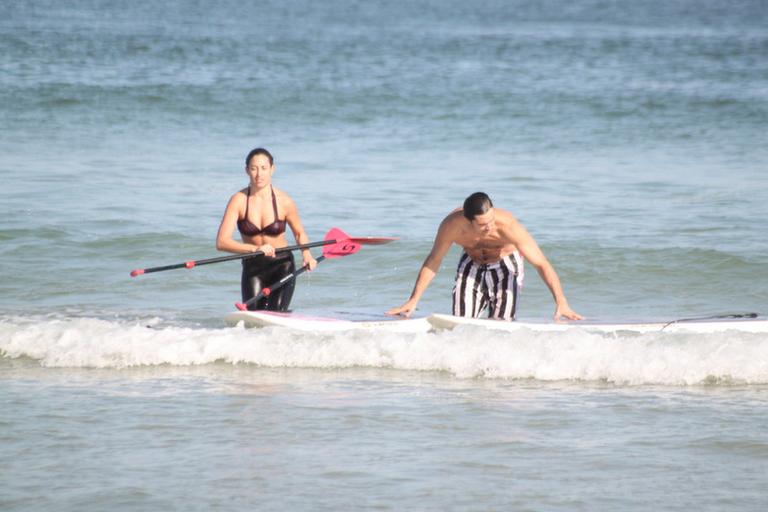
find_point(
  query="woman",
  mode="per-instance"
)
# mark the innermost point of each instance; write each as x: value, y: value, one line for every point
x: 260, y: 212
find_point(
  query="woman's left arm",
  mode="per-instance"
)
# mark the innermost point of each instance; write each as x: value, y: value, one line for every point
x: 294, y: 221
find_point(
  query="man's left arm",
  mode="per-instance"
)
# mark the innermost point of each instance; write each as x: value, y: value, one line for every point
x: 530, y: 250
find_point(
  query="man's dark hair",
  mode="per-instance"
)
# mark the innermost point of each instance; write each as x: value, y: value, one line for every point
x: 258, y: 151
x: 477, y: 204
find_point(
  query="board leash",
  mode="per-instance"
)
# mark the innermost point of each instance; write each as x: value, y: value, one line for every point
x: 722, y: 316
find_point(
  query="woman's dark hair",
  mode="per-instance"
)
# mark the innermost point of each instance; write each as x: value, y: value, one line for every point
x: 477, y: 204
x: 258, y: 151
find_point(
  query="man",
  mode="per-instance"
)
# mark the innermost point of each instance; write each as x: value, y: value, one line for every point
x: 490, y: 270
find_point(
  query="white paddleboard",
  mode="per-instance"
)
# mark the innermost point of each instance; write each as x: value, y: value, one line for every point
x: 323, y: 324
x: 439, y: 321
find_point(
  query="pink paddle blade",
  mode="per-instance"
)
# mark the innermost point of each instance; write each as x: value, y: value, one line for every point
x: 373, y: 240
x: 339, y: 235
x: 343, y: 246
x: 340, y: 249
x: 335, y: 234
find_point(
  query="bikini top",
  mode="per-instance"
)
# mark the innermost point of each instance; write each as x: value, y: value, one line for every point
x: 248, y: 228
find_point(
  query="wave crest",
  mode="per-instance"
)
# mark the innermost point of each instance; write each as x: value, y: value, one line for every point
x: 467, y: 352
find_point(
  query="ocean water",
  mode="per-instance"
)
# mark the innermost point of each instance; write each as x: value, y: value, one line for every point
x: 631, y: 139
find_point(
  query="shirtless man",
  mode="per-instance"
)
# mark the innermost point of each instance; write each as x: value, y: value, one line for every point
x: 491, y: 268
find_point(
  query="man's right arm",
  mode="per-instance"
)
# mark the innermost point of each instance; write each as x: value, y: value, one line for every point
x: 429, y: 268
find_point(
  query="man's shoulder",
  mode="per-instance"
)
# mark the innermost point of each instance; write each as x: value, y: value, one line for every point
x: 455, y: 218
x: 452, y: 225
x: 505, y: 217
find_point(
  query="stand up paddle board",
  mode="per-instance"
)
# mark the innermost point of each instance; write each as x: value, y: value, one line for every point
x: 324, y: 324
x: 751, y: 324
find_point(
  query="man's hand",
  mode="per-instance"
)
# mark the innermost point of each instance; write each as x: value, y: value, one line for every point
x: 405, y: 310
x: 564, y: 311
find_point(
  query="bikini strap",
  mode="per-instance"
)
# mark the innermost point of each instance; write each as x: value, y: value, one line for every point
x: 247, y: 197
x: 274, y: 203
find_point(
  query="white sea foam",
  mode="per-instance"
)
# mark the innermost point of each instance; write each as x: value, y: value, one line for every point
x: 664, y: 358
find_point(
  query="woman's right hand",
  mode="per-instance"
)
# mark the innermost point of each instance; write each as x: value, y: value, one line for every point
x: 267, y: 249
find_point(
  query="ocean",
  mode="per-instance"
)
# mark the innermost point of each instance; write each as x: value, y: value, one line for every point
x: 630, y: 138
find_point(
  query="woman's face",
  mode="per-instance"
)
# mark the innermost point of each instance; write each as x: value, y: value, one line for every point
x: 260, y: 171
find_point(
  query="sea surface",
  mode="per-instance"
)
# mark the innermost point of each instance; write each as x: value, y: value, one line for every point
x: 630, y: 138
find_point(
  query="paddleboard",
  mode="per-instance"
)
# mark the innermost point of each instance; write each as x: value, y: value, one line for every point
x: 301, y: 322
x: 760, y: 325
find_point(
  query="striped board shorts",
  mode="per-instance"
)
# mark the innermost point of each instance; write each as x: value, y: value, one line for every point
x: 494, y: 286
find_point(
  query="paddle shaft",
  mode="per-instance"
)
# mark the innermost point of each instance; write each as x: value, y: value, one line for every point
x: 265, y: 292
x: 192, y: 264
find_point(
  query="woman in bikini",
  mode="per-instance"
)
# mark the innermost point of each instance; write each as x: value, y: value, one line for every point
x: 260, y: 212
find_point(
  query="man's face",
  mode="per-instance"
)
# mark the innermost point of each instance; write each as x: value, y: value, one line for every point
x: 484, y: 223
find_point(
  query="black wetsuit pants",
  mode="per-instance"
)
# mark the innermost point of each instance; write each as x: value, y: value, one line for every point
x: 262, y: 272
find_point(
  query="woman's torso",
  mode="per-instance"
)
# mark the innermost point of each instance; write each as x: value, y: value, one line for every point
x: 261, y: 222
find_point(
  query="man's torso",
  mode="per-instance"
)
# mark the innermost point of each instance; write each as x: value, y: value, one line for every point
x: 486, y: 248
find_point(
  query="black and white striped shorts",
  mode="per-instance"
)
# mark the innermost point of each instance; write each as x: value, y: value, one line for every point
x: 494, y: 286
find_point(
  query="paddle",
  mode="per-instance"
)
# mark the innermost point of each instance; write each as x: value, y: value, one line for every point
x: 338, y: 250
x: 334, y: 236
